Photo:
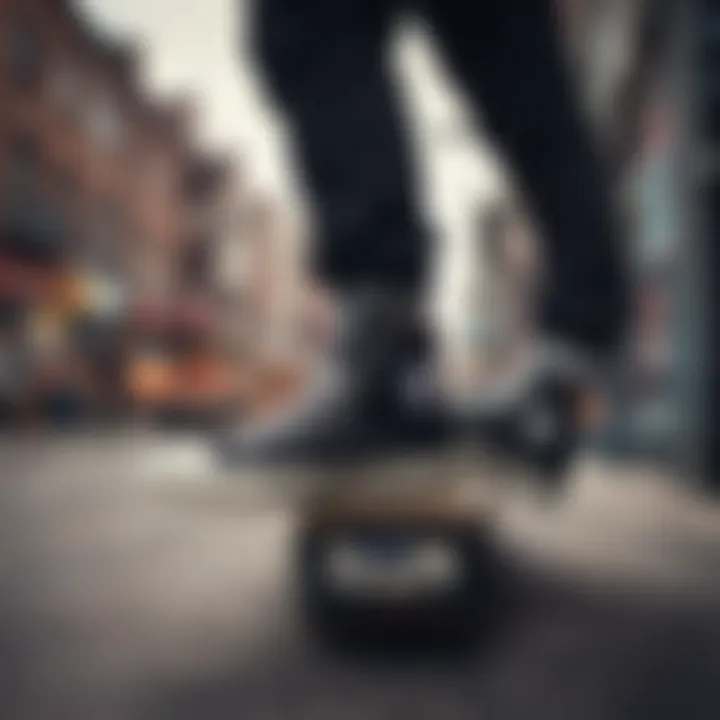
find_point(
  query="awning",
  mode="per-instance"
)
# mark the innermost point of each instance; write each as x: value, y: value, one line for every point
x: 23, y: 281
x: 178, y: 315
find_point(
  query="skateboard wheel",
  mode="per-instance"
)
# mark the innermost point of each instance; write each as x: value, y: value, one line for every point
x: 458, y: 611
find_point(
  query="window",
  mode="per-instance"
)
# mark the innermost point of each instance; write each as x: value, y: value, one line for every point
x: 66, y: 88
x: 104, y: 121
x: 23, y: 54
x: 36, y: 229
x: 149, y: 277
x: 66, y: 188
x: 197, y: 265
x: 65, y: 196
x: 103, y: 238
x: 155, y: 177
x: 23, y: 166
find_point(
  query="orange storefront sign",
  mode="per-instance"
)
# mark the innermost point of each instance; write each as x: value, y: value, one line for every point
x: 203, y: 380
x: 150, y: 380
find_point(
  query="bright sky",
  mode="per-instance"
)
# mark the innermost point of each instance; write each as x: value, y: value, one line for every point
x: 197, y: 47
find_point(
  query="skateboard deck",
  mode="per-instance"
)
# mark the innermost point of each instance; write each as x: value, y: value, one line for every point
x: 430, y: 492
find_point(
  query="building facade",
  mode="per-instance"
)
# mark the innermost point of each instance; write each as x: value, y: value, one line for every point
x: 634, y: 89
x: 95, y: 216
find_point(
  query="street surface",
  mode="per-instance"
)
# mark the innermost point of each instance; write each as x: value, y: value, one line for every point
x: 138, y: 582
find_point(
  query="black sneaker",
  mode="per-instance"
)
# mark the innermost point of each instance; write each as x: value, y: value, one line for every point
x: 536, y: 417
x: 358, y: 407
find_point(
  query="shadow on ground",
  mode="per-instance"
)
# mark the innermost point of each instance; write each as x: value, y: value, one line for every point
x: 557, y: 651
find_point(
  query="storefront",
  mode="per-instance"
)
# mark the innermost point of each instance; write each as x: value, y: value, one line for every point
x: 62, y: 393
x: 24, y: 286
x: 176, y: 370
x: 645, y: 125
x: 98, y: 336
x: 59, y: 322
x: 650, y: 417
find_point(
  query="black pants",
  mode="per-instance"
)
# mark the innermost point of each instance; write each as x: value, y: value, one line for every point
x: 326, y: 62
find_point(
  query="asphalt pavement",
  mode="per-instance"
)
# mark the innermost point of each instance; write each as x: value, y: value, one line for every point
x: 139, y: 581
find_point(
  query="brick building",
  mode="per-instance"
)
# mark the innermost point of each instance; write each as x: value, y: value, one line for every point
x: 95, y: 213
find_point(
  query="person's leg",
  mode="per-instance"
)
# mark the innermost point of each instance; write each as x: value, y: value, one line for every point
x: 325, y: 64
x: 508, y: 56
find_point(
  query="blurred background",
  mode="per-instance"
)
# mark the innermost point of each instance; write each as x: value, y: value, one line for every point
x: 153, y: 237
x: 153, y: 229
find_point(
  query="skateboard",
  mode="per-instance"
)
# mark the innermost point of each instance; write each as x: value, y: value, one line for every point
x: 400, y: 544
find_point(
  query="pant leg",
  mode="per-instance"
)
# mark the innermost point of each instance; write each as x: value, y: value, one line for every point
x: 508, y: 56
x: 324, y: 61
